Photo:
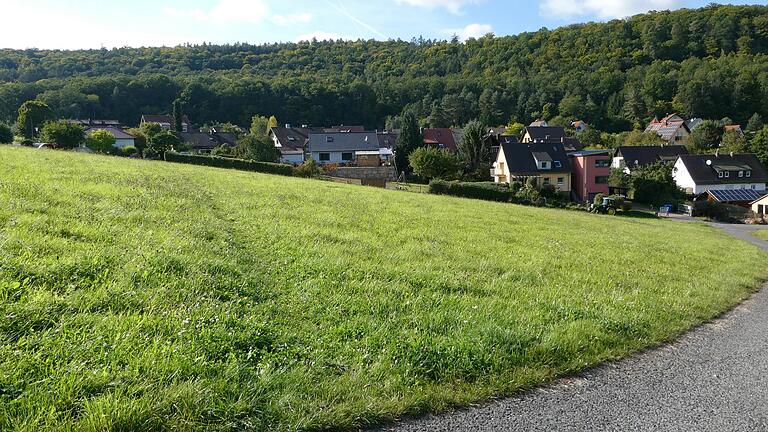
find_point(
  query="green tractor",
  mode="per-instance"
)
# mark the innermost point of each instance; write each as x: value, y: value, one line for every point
x: 609, y: 206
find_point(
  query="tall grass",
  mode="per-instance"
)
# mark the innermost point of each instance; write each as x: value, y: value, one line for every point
x: 146, y: 296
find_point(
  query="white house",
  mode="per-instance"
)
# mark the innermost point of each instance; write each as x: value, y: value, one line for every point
x: 697, y: 174
x: 122, y: 138
x: 340, y: 147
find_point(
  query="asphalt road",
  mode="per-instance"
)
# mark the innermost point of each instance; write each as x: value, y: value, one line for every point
x: 715, y: 378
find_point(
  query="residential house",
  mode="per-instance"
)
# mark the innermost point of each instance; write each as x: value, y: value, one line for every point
x: 628, y: 158
x: 550, y: 135
x: 760, y: 206
x: 96, y: 123
x: 344, y: 129
x: 579, y: 126
x: 292, y: 142
x: 733, y: 128
x: 549, y: 164
x: 122, y: 138
x: 442, y: 138
x: 697, y: 174
x: 673, y: 128
x: 167, y: 122
x: 539, y: 123
x: 205, y: 142
x: 387, y: 144
x: 591, y: 171
x: 340, y: 147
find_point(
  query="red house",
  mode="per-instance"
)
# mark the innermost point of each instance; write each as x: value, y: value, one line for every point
x: 591, y: 170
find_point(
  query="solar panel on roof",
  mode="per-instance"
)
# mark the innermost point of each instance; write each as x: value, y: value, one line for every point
x: 736, y: 195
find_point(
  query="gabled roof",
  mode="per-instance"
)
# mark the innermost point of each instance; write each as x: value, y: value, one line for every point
x: 163, y: 119
x: 207, y: 141
x: 343, y: 142
x: 764, y: 196
x: 545, y: 133
x: 342, y: 128
x: 521, y: 158
x: 291, y: 139
x: 640, y: 156
x: 440, y: 136
x: 704, y: 169
x: 388, y: 140
x: 91, y: 122
x: 667, y: 127
x: 117, y: 132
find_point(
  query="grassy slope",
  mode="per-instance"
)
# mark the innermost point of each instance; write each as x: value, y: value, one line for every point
x: 762, y: 234
x: 139, y: 295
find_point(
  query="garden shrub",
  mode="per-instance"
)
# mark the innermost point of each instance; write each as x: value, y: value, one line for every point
x: 238, y: 164
x: 310, y: 168
x: 719, y: 212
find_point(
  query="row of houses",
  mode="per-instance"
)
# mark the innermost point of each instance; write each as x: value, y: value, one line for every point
x: 349, y: 144
x: 198, y: 141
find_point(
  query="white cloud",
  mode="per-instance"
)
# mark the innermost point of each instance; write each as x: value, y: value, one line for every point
x: 603, y: 9
x: 471, y: 31
x: 286, y: 20
x: 453, y: 6
x: 321, y: 36
x: 226, y: 11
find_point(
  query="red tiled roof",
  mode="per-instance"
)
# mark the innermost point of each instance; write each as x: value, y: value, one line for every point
x: 440, y: 136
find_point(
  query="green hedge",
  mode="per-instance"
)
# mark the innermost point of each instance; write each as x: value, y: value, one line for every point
x: 238, y: 164
x: 484, y: 191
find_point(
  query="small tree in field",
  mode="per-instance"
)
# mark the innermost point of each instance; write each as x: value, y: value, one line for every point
x: 161, y: 143
x: 101, y: 141
x: 63, y: 134
x: 32, y: 115
x: 433, y: 163
x: 258, y: 148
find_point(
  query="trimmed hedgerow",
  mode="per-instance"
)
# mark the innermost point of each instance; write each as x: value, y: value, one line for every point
x: 484, y: 191
x: 238, y: 164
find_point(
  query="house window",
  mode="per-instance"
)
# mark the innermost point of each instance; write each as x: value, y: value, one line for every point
x: 601, y: 180
x: 749, y: 174
x: 721, y: 174
x: 328, y: 139
x: 544, y: 165
x: 325, y: 157
x: 727, y: 174
x: 560, y: 181
x: 346, y: 157
x: 760, y: 209
x: 602, y: 163
x: 558, y: 164
x: 547, y: 181
x: 741, y: 174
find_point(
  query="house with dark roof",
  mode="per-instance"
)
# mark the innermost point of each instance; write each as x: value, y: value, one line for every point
x: 699, y: 174
x: 167, y: 122
x: 628, y: 158
x: 96, y: 123
x: 387, y: 144
x: 550, y: 135
x: 760, y: 206
x: 292, y: 142
x: 341, y: 147
x: 442, y: 138
x: 205, y: 142
x: 549, y: 164
x: 122, y: 138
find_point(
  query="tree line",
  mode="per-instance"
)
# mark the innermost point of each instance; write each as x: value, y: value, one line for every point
x: 709, y: 63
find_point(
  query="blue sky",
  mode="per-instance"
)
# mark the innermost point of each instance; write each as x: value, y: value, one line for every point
x: 70, y: 24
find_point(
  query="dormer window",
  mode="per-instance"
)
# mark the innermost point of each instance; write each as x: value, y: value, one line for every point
x: 721, y: 174
x: 558, y: 164
x: 544, y: 165
x: 741, y: 174
x: 749, y: 174
x: 291, y: 139
x: 727, y: 174
x: 329, y: 139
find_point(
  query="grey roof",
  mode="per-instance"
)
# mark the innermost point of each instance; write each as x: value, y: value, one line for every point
x: 291, y: 139
x: 163, y: 119
x: 639, y: 156
x: 388, y: 139
x: 546, y: 134
x: 708, y: 174
x: 207, y: 141
x: 583, y: 153
x: 337, y: 142
x: 521, y: 162
x: 117, y: 132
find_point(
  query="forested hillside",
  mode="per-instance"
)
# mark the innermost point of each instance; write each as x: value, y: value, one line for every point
x: 708, y: 63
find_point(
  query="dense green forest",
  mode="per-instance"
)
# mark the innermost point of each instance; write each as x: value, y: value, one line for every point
x: 710, y: 63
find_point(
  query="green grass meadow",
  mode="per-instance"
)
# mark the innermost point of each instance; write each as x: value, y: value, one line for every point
x: 140, y: 296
